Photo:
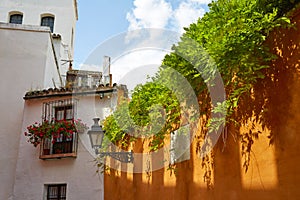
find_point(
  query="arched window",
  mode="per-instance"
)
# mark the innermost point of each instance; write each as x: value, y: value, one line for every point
x: 16, y: 18
x: 48, y: 21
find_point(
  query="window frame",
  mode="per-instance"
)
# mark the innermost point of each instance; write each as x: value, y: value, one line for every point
x: 46, y: 23
x: 12, y: 14
x: 61, y: 193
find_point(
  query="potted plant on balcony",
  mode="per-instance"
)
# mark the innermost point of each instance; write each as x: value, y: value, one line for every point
x: 53, y: 130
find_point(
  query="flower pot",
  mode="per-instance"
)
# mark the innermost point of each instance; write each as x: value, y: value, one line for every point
x: 46, y: 151
x: 57, y: 151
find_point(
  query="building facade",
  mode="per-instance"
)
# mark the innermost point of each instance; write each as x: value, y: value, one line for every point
x: 65, y: 169
x: 59, y: 16
x: 37, y: 45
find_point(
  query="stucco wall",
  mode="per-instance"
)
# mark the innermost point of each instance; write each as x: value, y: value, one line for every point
x: 78, y: 173
x: 23, y: 56
x: 52, y: 75
x: 64, y: 12
x: 274, y: 157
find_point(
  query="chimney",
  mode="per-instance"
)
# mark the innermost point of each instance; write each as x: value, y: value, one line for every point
x: 106, y: 71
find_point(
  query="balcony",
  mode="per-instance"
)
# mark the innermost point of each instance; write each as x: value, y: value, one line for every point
x: 57, y: 134
x: 63, y: 147
x: 60, y: 145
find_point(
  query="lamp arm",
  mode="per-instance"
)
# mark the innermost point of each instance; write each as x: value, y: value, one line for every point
x: 126, y: 157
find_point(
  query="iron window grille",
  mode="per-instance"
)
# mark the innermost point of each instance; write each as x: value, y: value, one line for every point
x: 56, y: 192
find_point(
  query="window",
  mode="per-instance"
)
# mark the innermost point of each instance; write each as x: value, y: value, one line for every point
x: 64, y: 112
x: 180, y: 145
x: 63, y: 146
x: 16, y: 19
x: 56, y: 192
x: 48, y: 21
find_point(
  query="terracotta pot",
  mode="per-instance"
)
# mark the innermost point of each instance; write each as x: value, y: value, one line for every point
x: 46, y: 151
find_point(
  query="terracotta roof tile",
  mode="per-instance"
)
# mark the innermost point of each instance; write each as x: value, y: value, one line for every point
x: 68, y: 91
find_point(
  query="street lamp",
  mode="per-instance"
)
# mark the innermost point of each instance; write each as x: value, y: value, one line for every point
x: 96, y: 135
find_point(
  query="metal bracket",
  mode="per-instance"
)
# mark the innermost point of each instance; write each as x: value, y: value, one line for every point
x: 125, y: 157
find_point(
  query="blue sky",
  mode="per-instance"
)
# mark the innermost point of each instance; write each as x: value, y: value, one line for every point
x: 98, y: 21
x: 101, y: 21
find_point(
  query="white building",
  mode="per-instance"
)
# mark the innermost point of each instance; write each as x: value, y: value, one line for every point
x: 59, y: 15
x: 32, y: 61
x: 65, y: 169
x: 26, y: 57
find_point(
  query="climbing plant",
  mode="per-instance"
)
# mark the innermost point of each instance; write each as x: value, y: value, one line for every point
x: 233, y: 33
x: 230, y: 40
x: 152, y: 112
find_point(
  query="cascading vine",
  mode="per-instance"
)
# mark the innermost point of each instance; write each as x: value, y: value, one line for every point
x: 233, y: 34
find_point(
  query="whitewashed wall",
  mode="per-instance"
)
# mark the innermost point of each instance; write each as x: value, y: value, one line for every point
x: 27, y: 63
x: 64, y: 11
x: 24, y: 53
x: 79, y: 173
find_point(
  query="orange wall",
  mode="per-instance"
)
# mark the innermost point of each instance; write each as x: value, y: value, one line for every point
x: 273, y: 169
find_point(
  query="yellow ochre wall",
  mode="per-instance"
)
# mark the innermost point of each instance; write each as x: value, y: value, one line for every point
x: 274, y: 167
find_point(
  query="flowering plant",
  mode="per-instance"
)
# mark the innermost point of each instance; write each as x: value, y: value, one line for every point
x: 53, y: 129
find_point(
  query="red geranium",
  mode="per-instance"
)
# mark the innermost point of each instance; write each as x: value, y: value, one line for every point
x: 53, y: 130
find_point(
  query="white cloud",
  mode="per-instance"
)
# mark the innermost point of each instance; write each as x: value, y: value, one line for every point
x: 160, y: 14
x: 125, y: 68
x: 90, y: 67
x: 201, y: 1
x: 187, y: 13
x: 149, y: 14
x: 132, y: 68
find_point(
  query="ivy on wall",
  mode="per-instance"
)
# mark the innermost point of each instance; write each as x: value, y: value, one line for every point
x: 230, y: 41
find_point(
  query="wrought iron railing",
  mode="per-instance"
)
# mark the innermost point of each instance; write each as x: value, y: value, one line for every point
x: 63, y: 147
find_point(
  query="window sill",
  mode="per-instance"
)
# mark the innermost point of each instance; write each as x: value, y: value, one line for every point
x: 58, y: 156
